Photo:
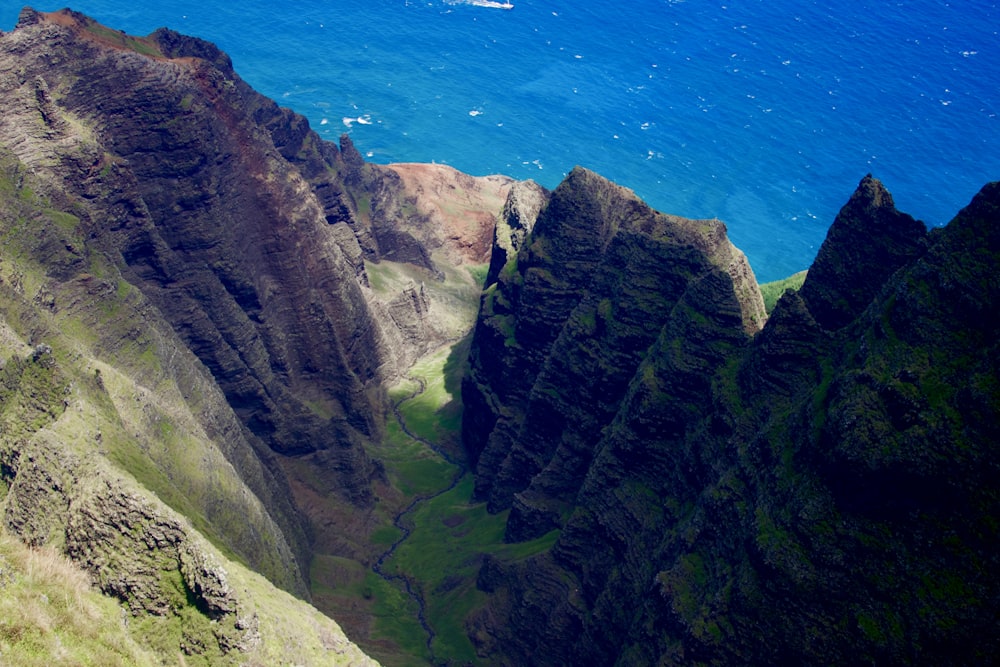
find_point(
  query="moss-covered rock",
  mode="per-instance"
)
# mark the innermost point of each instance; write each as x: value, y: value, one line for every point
x: 823, y: 492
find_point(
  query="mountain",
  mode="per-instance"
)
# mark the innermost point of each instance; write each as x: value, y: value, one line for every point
x: 821, y: 491
x: 565, y: 327
x: 202, y: 305
x: 234, y: 357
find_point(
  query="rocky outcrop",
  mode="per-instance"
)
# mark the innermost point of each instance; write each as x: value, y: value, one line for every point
x: 56, y: 493
x: 821, y: 492
x: 564, y: 329
x: 172, y: 584
x: 524, y: 202
x: 846, y: 274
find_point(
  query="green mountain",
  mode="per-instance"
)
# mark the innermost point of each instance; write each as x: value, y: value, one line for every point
x: 202, y: 307
x: 821, y: 491
x: 250, y: 384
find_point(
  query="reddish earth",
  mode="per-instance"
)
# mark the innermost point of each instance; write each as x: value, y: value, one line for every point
x: 463, y: 207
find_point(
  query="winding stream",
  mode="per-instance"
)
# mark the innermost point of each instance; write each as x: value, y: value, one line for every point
x: 400, y: 523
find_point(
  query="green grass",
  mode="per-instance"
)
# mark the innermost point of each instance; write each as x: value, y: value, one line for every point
x: 413, y: 468
x: 449, y: 534
x: 50, y: 614
x: 443, y: 554
x: 435, y: 414
x: 772, y: 291
x: 119, y: 38
x: 478, y: 273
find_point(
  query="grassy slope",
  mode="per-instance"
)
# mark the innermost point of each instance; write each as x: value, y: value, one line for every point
x: 772, y: 291
x: 50, y: 613
x: 120, y: 414
x: 449, y: 534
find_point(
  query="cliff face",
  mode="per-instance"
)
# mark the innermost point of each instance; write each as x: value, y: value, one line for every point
x: 216, y: 229
x: 105, y: 420
x: 205, y: 256
x: 822, y: 492
x: 566, y: 326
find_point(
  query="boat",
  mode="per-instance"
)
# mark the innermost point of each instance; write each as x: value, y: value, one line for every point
x: 493, y: 4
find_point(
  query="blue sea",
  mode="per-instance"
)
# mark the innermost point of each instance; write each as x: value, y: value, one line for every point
x: 763, y: 113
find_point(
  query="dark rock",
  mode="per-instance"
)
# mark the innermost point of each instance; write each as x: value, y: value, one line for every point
x: 867, y: 242
x: 820, y: 493
x: 591, y: 288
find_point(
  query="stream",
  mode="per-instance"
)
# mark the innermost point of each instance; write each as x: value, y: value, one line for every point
x: 399, y: 520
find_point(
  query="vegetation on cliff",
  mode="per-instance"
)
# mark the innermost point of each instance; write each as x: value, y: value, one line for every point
x: 225, y: 298
x: 229, y: 349
x: 772, y: 291
x: 110, y: 453
x: 822, y: 492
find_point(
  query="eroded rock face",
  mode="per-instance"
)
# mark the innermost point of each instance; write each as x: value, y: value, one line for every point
x: 821, y: 492
x: 248, y: 233
x: 564, y: 329
x: 158, y: 139
x: 134, y: 550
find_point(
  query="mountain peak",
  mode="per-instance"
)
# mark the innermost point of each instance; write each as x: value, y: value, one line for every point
x: 868, y: 241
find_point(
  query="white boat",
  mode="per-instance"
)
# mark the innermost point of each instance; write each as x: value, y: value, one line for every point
x: 492, y: 3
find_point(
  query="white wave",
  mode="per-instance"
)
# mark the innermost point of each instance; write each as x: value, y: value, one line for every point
x: 360, y: 120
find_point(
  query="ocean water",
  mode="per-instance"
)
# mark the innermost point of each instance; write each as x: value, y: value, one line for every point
x: 763, y: 113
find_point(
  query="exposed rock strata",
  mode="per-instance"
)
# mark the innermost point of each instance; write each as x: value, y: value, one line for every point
x: 57, y: 491
x: 821, y: 493
x: 245, y: 233
x: 568, y: 321
x: 218, y: 231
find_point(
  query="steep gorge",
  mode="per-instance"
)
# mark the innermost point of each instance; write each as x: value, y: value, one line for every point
x: 204, y: 308
x: 242, y: 292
